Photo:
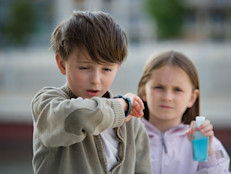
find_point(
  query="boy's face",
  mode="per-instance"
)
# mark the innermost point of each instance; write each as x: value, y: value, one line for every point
x: 86, y: 78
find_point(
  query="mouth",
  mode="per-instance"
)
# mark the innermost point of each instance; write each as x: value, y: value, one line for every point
x: 166, y: 107
x: 92, y: 93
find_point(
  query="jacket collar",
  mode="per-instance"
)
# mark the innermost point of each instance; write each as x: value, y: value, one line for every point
x: 182, y: 129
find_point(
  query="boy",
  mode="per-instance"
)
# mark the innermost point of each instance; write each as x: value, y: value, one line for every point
x: 79, y: 127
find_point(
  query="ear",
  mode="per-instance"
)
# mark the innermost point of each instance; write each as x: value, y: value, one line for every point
x: 194, y: 96
x: 118, y: 66
x: 61, y: 64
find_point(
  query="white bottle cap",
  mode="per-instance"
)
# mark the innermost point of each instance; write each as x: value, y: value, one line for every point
x: 199, y: 120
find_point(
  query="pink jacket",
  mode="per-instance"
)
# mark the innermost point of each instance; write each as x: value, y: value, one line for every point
x: 171, y: 153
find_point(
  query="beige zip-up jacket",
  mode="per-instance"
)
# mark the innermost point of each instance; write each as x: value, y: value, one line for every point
x: 67, y: 137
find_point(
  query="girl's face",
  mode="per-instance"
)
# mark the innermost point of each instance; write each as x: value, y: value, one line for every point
x: 168, y: 94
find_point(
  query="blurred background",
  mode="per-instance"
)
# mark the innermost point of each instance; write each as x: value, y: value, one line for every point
x: 199, y: 29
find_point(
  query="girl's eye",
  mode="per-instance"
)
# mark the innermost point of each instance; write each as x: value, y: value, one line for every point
x: 83, y: 67
x: 157, y: 87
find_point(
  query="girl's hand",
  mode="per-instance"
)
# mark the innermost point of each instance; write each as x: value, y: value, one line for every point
x: 206, y: 129
x: 137, y: 106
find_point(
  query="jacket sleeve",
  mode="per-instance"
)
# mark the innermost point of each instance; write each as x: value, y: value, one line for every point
x: 59, y: 121
x: 218, y: 162
x: 143, y: 158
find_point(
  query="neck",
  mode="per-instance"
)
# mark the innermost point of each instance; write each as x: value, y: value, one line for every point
x: 164, y: 125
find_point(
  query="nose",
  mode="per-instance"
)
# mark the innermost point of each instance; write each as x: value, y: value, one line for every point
x: 95, y: 77
x: 168, y: 95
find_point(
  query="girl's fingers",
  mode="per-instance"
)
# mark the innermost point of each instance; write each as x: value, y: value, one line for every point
x: 205, y: 124
x: 193, y: 126
x: 191, y: 130
x: 189, y: 134
x: 206, y: 128
x: 208, y: 132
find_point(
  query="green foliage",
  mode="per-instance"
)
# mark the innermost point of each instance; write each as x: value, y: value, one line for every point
x: 20, y: 22
x: 168, y: 16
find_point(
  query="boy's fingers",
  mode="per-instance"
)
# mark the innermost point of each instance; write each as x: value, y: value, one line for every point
x: 127, y: 118
x: 139, y: 109
x: 140, y: 102
x: 136, y: 113
x: 137, y: 105
x: 135, y: 98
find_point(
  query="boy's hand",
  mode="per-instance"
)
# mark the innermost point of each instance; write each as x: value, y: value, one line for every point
x: 137, y: 106
x: 206, y: 129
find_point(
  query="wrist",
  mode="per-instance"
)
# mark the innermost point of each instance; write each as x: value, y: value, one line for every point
x: 128, y: 102
x: 210, y: 151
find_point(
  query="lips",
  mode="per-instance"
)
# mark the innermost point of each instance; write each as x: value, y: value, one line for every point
x: 166, y: 107
x: 92, y: 92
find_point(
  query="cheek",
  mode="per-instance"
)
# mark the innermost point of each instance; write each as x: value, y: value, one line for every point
x: 109, y: 79
x: 183, y: 102
x: 107, y: 83
x: 152, y: 104
x: 151, y: 98
x: 76, y: 78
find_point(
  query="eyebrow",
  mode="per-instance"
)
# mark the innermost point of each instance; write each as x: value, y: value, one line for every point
x: 83, y: 60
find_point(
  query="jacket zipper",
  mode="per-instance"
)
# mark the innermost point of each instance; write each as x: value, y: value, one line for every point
x: 165, y: 151
x: 163, y: 143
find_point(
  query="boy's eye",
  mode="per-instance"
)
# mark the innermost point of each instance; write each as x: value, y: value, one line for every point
x: 177, y: 89
x: 107, y: 69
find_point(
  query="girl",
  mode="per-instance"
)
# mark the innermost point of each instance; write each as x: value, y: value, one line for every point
x: 169, y: 87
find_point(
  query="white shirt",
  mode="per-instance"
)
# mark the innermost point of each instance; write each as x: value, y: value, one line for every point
x: 110, y: 144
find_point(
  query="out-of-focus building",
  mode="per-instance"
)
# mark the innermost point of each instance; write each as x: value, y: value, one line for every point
x: 129, y: 14
x: 208, y: 20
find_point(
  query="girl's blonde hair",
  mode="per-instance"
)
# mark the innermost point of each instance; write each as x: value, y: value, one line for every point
x: 181, y: 61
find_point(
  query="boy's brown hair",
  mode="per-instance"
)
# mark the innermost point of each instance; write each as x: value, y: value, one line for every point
x: 95, y: 32
x: 175, y: 59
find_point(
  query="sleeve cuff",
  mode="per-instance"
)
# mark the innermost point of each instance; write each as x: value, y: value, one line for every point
x: 119, y: 113
x: 212, y: 159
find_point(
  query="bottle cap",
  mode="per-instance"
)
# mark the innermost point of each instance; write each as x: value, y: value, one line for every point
x: 199, y: 120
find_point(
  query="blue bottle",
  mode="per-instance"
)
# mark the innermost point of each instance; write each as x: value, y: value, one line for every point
x: 200, y: 142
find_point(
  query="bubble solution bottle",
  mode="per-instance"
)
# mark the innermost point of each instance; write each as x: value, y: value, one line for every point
x: 200, y: 142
